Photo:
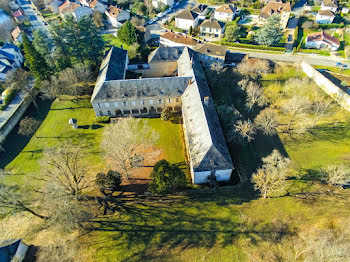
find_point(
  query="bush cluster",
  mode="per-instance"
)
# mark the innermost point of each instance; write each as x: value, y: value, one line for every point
x: 102, y: 119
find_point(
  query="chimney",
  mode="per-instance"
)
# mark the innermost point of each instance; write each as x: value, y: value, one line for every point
x: 206, y: 100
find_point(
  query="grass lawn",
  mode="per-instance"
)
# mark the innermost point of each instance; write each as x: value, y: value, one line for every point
x: 335, y: 69
x: 23, y: 155
x: 112, y: 40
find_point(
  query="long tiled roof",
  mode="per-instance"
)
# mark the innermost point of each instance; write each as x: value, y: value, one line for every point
x: 180, y: 39
x: 212, y: 24
x: 326, y: 13
x: 274, y: 8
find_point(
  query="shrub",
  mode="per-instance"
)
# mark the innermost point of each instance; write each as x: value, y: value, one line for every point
x: 165, y: 178
x: 102, y: 119
x: 8, y: 99
x: 166, y: 114
x: 109, y: 182
x: 329, y: 26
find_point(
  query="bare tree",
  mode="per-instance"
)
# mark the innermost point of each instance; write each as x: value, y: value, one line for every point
x: 28, y: 126
x: 245, y: 130
x: 217, y: 68
x: 245, y: 69
x: 51, y: 89
x: 337, y: 174
x: 321, y: 107
x: 63, y: 166
x: 271, y: 177
x: 97, y: 18
x: 307, y: 25
x: 4, y: 4
x: 20, y: 81
x: 267, y: 121
x: 128, y: 143
x: 255, y: 95
x: 296, y: 109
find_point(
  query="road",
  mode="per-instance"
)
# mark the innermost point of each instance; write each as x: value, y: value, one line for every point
x: 34, y: 18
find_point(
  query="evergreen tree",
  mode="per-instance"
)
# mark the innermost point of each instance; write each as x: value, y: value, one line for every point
x: 127, y: 33
x: 92, y: 41
x: 271, y: 32
x: 42, y: 44
x: 35, y: 61
x: 232, y: 33
x: 61, y: 53
x: 165, y: 178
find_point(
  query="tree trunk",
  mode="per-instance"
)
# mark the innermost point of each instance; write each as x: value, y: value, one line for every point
x: 31, y: 211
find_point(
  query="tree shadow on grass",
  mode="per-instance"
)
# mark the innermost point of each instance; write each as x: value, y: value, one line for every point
x: 14, y: 143
x: 153, y: 229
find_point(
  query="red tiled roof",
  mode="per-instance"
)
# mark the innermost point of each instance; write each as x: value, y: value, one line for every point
x: 321, y: 36
x: 180, y: 39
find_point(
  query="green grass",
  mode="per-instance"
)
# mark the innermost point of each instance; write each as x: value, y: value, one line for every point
x: 23, y: 157
x: 112, y: 40
x: 335, y: 69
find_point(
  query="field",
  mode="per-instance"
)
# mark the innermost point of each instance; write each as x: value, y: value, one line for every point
x: 231, y: 224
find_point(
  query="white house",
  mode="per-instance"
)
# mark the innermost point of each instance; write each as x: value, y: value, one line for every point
x: 325, y: 17
x: 212, y: 28
x: 279, y: 8
x: 172, y: 40
x: 160, y: 3
x: 225, y: 13
x: 331, y: 5
x: 321, y: 40
x: 186, y: 19
x: 10, y: 58
x: 116, y: 16
x: 201, y: 10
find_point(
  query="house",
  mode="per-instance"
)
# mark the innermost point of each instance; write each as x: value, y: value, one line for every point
x: 209, y: 54
x: 325, y: 17
x: 173, y: 39
x: 16, y: 34
x: 10, y: 58
x: 67, y: 8
x: 321, y: 40
x: 54, y: 6
x: 97, y: 6
x: 161, y: 3
x: 331, y: 5
x: 208, y: 154
x: 212, y: 28
x: 186, y: 19
x: 19, y: 16
x: 279, y: 8
x: 225, y: 12
x: 116, y: 16
x: 201, y: 10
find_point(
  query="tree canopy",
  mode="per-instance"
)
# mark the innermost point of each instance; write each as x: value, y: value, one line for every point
x: 127, y: 33
x: 165, y: 178
x: 271, y: 32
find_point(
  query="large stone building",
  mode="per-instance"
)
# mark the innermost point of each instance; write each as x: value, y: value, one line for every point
x: 186, y: 90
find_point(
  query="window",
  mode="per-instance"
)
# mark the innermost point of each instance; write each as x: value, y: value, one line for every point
x: 210, y: 30
x: 101, y: 113
x: 203, y: 28
x: 116, y: 104
x: 109, y: 112
x: 125, y: 103
x: 142, y: 102
x: 160, y: 101
x: 169, y: 100
x: 151, y: 102
x: 99, y: 105
x: 106, y: 104
x: 133, y: 103
x: 177, y: 100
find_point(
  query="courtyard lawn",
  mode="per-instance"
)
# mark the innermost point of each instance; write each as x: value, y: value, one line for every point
x: 55, y: 129
x: 112, y: 40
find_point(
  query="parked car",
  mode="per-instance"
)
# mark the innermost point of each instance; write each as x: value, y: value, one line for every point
x: 338, y: 64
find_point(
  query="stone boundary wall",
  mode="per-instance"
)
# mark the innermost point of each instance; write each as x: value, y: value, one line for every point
x: 15, y: 117
x: 327, y: 85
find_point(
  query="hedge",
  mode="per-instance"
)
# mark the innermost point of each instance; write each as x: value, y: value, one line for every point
x: 299, y: 45
x: 8, y: 99
x: 329, y: 26
x: 102, y: 119
x: 259, y: 47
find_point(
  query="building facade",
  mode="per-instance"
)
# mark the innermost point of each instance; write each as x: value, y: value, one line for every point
x: 325, y: 17
x: 225, y: 13
x: 186, y: 19
x: 116, y: 16
x: 187, y: 92
x: 212, y: 28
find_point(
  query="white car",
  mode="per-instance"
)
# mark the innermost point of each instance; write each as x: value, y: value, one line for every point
x: 160, y: 14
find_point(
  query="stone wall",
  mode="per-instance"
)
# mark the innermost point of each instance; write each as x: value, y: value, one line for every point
x: 11, y: 122
x: 328, y: 86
